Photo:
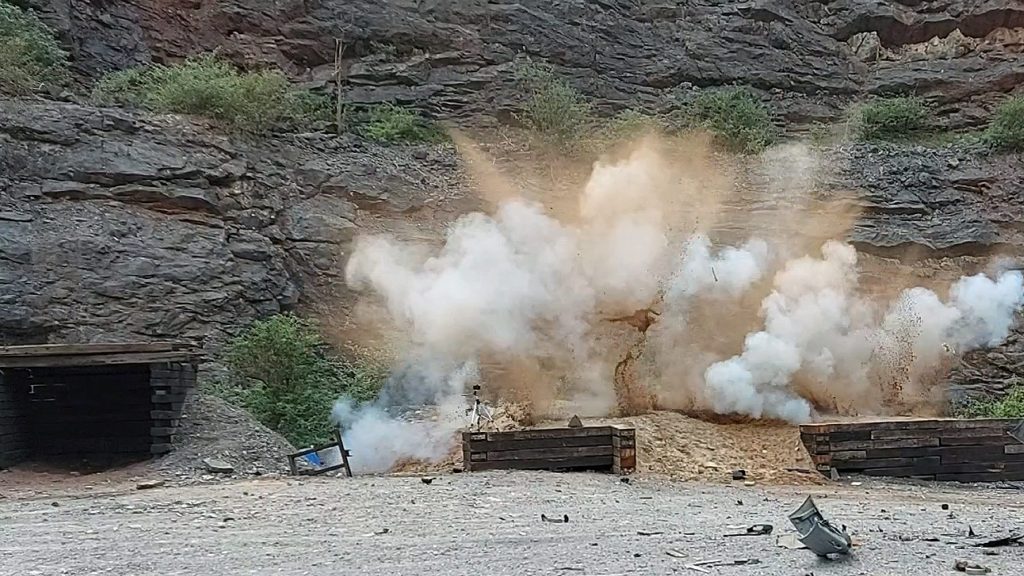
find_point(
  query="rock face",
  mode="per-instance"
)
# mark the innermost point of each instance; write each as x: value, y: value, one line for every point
x: 455, y: 57
x: 113, y: 227
x: 117, y: 226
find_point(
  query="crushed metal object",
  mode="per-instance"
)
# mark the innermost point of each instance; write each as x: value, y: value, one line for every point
x: 563, y: 520
x: 818, y: 534
x: 755, y: 530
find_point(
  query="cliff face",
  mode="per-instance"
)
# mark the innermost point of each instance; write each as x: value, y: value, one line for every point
x: 117, y: 225
x: 452, y: 56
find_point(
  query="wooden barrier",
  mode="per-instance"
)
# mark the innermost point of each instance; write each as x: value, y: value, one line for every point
x: 610, y: 448
x: 981, y: 450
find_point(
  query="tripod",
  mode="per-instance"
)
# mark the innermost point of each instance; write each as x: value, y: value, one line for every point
x: 479, y: 411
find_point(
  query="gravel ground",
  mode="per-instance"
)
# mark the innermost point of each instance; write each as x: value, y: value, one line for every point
x: 489, y: 523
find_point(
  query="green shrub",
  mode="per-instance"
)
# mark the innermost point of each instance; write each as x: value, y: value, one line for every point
x: 1009, y: 406
x: 734, y: 116
x: 208, y: 86
x: 280, y: 372
x: 30, y: 56
x: 1006, y: 131
x: 553, y: 109
x: 893, y: 119
x: 395, y: 124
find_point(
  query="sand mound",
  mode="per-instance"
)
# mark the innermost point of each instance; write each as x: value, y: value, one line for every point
x: 684, y: 448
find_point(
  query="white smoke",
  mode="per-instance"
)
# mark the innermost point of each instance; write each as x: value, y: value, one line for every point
x: 729, y: 273
x: 818, y: 325
x: 522, y: 284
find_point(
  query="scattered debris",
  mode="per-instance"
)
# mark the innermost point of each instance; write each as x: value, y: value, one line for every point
x: 817, y: 533
x: 624, y: 479
x: 675, y: 553
x: 749, y: 483
x: 563, y: 520
x: 646, y: 533
x: 945, y: 506
x: 1012, y: 540
x: 575, y: 422
x: 218, y: 466
x: 833, y: 474
x: 970, y: 567
x: 702, y: 565
x: 149, y: 484
x: 739, y: 474
x: 755, y: 530
x: 382, y: 532
x: 789, y: 541
x: 856, y: 483
x: 426, y: 480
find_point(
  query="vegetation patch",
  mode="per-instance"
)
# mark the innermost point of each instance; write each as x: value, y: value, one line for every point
x: 398, y: 125
x: 1009, y: 406
x: 209, y: 86
x: 30, y: 57
x: 894, y: 119
x: 736, y: 118
x: 280, y: 371
x: 554, y: 110
x: 1006, y: 131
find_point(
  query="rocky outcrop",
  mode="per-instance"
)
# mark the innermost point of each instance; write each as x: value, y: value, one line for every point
x: 455, y: 58
x: 114, y: 226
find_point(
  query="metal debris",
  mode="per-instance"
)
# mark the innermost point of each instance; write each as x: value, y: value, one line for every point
x: 818, y: 534
x: 646, y: 533
x: 426, y: 480
x: 755, y: 530
x: 563, y: 520
x: 789, y: 541
x: 1011, y: 540
x: 149, y: 484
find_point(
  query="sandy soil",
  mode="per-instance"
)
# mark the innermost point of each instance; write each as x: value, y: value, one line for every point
x: 489, y: 523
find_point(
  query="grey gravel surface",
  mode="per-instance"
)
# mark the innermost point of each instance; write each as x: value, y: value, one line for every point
x: 489, y: 524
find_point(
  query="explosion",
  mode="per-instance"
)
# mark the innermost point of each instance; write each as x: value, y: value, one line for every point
x: 631, y: 304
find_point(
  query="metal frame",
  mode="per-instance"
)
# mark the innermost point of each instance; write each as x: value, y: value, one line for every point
x: 341, y: 448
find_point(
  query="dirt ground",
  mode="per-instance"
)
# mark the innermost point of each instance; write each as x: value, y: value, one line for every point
x: 490, y: 523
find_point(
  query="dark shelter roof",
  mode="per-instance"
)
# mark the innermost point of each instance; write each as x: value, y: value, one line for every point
x: 52, y: 355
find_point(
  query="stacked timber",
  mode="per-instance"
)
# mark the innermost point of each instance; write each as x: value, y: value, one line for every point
x: 981, y: 450
x: 604, y: 448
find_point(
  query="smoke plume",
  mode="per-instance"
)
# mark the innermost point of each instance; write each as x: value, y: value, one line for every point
x: 774, y: 325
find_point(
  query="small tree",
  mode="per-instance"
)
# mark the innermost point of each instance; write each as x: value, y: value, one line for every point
x: 281, y: 372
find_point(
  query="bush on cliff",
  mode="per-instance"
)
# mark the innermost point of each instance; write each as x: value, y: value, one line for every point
x: 893, y: 119
x: 553, y: 109
x: 1006, y: 131
x: 396, y: 125
x: 1009, y: 406
x: 208, y: 86
x: 736, y: 118
x: 280, y: 372
x: 30, y: 57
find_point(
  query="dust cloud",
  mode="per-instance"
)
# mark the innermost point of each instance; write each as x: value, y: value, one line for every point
x: 708, y: 298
